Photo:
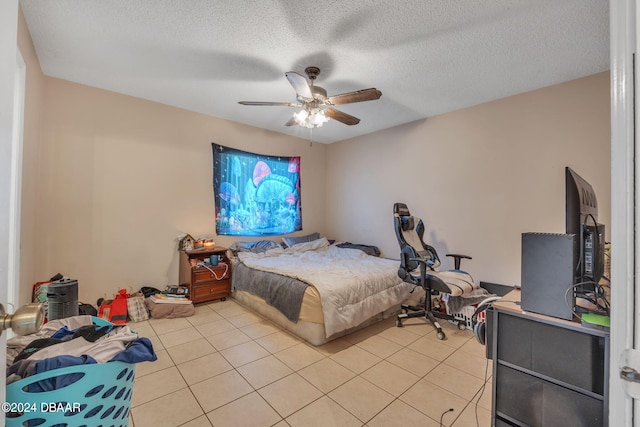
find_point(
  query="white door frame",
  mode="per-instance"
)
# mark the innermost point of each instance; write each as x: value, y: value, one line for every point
x: 15, y: 203
x: 9, y: 10
x: 624, y: 298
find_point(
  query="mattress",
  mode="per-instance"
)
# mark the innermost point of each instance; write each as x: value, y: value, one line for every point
x: 336, y: 289
x: 313, y: 332
x: 310, y: 331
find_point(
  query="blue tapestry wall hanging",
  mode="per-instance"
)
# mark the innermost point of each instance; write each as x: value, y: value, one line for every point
x: 254, y: 194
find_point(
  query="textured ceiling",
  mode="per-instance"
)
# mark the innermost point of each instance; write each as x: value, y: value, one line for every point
x: 427, y: 57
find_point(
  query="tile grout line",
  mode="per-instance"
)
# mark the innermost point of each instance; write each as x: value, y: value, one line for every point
x: 351, y: 344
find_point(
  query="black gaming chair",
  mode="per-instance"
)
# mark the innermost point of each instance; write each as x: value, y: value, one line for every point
x: 418, y: 265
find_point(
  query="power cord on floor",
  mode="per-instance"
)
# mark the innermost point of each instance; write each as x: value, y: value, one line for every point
x: 443, y: 414
x: 484, y: 385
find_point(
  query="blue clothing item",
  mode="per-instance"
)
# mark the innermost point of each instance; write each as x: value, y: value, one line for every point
x: 89, y: 332
x: 60, y: 381
x: 140, y: 350
x: 62, y: 333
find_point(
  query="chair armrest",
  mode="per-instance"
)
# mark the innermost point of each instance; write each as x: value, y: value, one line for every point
x: 424, y: 266
x: 457, y: 258
x: 429, y: 278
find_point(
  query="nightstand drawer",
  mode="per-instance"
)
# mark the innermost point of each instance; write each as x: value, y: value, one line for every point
x: 211, y: 290
x: 202, y: 274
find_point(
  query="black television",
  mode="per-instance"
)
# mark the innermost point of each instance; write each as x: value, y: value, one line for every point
x: 581, y: 220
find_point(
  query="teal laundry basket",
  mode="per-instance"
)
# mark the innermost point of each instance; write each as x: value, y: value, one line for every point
x: 100, y: 395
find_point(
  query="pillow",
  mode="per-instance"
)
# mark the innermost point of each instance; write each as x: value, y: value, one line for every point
x: 367, y: 249
x: 310, y: 246
x: 255, y: 247
x: 290, y: 241
x: 264, y: 245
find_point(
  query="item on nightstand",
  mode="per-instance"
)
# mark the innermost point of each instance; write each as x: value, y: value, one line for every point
x: 185, y: 242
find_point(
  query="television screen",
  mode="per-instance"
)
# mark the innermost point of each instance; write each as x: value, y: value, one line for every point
x: 581, y: 219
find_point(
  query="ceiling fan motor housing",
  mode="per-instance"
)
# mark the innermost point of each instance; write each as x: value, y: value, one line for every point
x: 312, y: 72
x: 318, y: 92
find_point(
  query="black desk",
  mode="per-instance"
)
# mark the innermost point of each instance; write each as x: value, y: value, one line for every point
x: 547, y: 371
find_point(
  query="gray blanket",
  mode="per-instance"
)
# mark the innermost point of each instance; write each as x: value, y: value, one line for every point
x: 281, y: 292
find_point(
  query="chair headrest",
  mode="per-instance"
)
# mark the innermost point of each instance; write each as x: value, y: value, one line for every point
x: 401, y: 209
x: 407, y: 223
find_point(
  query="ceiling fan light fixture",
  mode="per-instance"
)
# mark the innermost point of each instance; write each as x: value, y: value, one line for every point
x: 301, y: 116
x: 313, y: 118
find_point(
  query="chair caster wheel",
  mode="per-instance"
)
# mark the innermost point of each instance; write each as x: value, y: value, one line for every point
x: 440, y: 335
x: 223, y: 299
x: 399, y: 323
x: 462, y: 326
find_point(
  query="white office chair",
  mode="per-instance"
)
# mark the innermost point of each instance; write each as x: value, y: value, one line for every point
x: 418, y: 265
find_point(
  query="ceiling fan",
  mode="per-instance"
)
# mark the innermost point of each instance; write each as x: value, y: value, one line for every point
x: 316, y: 105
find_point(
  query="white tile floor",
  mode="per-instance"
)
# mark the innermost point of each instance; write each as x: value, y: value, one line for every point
x: 227, y: 366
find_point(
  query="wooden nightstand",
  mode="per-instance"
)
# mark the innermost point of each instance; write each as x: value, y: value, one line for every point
x: 205, y: 282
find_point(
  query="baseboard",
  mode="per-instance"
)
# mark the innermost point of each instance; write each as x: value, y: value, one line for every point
x: 495, y: 288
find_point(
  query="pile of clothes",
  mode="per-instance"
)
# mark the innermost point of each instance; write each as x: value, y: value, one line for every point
x: 72, y: 341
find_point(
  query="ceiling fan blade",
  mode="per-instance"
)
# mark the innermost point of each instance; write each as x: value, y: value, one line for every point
x: 291, y: 122
x: 277, y: 104
x: 300, y: 84
x: 342, y: 117
x: 357, y: 96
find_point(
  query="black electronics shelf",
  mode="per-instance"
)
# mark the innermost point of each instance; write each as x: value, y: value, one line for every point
x: 547, y: 371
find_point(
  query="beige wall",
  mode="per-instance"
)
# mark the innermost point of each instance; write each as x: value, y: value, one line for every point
x: 109, y: 181
x: 31, y: 165
x: 123, y: 177
x: 479, y: 177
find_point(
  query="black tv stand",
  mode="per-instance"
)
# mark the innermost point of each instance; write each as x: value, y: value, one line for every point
x: 547, y: 371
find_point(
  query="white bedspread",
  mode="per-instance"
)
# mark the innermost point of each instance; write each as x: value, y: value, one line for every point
x: 353, y: 286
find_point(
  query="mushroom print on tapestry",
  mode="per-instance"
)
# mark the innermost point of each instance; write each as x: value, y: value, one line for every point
x: 255, y: 194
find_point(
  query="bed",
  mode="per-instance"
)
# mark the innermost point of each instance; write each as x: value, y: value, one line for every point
x: 317, y: 290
